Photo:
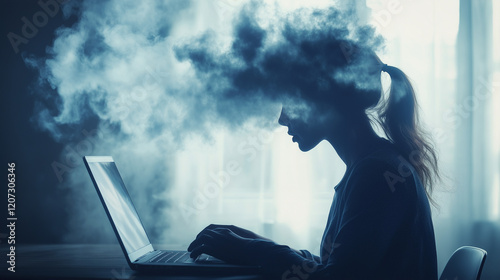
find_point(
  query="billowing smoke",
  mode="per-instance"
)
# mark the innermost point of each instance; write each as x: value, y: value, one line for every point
x: 140, y: 79
x: 305, y: 55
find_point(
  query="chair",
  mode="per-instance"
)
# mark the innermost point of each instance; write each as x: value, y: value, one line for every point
x: 466, y: 263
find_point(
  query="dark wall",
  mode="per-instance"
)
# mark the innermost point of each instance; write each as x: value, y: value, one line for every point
x: 39, y: 200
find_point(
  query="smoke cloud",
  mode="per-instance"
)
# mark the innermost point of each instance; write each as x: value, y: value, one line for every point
x: 306, y: 55
x: 140, y: 79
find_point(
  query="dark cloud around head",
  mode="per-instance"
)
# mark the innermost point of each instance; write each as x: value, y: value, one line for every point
x: 309, y: 55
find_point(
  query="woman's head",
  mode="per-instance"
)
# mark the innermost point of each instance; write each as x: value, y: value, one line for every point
x: 356, y: 87
x: 353, y: 87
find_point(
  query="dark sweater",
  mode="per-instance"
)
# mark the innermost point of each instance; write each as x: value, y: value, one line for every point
x: 379, y: 227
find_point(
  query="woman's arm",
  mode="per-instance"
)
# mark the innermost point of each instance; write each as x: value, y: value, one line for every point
x: 243, y: 234
x: 372, y: 215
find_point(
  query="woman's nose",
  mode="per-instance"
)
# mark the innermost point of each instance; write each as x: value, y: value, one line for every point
x: 284, y: 120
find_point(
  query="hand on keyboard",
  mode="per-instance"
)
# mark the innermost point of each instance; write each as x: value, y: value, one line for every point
x: 239, y: 231
x: 227, y: 243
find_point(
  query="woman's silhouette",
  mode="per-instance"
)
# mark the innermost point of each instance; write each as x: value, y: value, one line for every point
x: 379, y: 226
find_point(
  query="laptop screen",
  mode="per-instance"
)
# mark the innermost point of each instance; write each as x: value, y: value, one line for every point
x: 118, y: 202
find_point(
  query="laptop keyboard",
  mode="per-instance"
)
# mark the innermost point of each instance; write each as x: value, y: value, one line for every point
x: 171, y: 257
x: 181, y: 257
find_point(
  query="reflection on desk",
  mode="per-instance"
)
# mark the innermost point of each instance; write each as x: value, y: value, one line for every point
x: 83, y: 261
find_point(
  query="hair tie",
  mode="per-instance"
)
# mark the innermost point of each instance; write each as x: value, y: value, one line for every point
x: 384, y: 67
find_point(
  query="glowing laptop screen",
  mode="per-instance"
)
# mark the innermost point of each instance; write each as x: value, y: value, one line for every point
x: 119, y: 204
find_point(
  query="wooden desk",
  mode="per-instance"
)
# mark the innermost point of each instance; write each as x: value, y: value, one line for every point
x: 82, y: 262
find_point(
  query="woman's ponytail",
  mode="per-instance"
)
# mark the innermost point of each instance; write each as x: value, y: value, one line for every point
x: 399, y: 120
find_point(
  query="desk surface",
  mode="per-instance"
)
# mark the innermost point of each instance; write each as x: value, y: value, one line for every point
x: 82, y: 262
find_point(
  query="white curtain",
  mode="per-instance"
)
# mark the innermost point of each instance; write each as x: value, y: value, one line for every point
x: 475, y: 206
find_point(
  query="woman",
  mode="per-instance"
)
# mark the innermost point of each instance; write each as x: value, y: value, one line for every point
x: 379, y: 226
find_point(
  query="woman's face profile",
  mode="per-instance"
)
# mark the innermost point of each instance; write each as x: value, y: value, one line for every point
x: 306, y: 128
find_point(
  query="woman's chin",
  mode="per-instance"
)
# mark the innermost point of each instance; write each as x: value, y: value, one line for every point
x: 306, y: 146
x: 303, y: 147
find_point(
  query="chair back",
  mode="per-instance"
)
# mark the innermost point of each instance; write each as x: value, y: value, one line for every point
x: 466, y: 263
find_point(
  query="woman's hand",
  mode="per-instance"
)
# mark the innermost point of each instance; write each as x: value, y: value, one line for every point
x: 239, y: 231
x: 227, y: 243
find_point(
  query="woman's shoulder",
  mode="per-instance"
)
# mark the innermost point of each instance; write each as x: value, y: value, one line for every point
x: 383, y: 168
x: 385, y: 155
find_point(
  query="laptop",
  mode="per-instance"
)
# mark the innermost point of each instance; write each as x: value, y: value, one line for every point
x: 132, y: 236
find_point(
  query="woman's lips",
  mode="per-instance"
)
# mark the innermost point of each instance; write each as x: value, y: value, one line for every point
x: 295, y: 138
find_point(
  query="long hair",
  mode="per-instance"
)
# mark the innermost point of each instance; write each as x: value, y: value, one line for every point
x: 398, y: 117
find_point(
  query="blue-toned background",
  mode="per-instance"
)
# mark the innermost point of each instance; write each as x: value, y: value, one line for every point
x: 116, y: 78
